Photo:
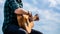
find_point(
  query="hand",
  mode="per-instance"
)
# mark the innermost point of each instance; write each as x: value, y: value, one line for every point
x: 30, y: 24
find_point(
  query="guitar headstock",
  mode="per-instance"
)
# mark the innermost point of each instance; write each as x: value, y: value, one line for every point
x: 33, y: 18
x: 36, y: 17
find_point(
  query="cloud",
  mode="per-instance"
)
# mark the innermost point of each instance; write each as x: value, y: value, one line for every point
x: 34, y: 1
x: 50, y: 15
x: 58, y: 1
x: 1, y: 1
x: 53, y: 3
x: 47, y: 14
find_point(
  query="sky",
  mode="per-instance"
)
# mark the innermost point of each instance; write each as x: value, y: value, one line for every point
x: 48, y: 11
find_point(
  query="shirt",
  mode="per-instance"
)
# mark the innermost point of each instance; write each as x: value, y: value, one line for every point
x: 9, y: 16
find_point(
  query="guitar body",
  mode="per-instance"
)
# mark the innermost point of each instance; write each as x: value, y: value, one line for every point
x: 21, y: 21
x: 24, y: 20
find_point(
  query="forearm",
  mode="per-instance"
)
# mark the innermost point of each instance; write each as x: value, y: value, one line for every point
x: 20, y: 11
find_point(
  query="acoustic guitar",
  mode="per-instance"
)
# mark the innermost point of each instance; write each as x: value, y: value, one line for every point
x: 24, y: 20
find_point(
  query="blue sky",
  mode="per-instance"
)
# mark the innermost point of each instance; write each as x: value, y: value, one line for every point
x: 49, y: 14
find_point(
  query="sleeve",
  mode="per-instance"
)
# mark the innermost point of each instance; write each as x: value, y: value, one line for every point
x: 13, y: 4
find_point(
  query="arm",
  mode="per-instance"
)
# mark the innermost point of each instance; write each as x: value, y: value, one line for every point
x: 20, y: 11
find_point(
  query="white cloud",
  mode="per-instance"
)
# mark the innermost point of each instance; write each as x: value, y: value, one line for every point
x: 47, y: 14
x: 58, y: 1
x: 35, y: 1
x: 2, y: 1
x: 29, y: 7
x: 53, y: 3
x: 50, y: 15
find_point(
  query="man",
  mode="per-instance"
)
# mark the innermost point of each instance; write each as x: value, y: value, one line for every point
x: 12, y: 8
